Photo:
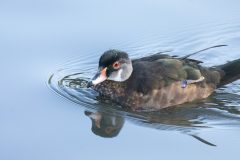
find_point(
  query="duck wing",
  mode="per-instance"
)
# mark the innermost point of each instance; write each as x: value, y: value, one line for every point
x: 159, y: 71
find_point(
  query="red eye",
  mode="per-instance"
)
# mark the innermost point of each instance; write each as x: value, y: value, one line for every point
x: 116, y: 65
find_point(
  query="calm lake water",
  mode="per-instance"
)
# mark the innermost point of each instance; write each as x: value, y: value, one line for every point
x: 50, y: 48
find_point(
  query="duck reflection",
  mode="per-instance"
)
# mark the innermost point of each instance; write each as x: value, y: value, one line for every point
x: 109, y: 126
x: 105, y: 125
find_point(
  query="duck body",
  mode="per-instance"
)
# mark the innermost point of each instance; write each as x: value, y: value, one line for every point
x: 156, y: 82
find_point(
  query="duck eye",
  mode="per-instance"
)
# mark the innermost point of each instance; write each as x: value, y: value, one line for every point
x: 116, y: 65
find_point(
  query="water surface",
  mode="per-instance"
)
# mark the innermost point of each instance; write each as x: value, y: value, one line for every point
x: 64, y: 39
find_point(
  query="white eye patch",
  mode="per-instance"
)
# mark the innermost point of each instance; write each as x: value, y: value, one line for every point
x: 116, y: 76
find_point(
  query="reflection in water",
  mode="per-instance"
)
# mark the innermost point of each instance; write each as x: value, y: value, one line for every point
x: 105, y: 125
x: 109, y: 126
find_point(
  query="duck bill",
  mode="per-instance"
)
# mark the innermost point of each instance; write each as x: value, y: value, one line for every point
x: 100, y: 76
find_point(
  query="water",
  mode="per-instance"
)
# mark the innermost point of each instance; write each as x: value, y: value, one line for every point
x: 40, y: 39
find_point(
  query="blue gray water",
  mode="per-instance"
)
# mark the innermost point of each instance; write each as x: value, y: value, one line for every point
x: 62, y: 40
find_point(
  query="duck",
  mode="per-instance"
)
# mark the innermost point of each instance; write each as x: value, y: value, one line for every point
x: 159, y: 80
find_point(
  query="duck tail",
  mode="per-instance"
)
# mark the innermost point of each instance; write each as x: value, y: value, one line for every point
x: 231, y: 72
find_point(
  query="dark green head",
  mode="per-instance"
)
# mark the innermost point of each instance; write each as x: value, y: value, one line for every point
x: 113, y: 65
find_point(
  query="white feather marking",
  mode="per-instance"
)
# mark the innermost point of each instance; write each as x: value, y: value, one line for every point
x: 119, y: 76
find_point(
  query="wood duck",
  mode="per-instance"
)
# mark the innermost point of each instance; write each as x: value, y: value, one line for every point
x: 158, y: 81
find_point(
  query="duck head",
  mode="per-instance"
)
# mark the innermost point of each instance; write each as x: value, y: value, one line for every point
x: 113, y: 65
